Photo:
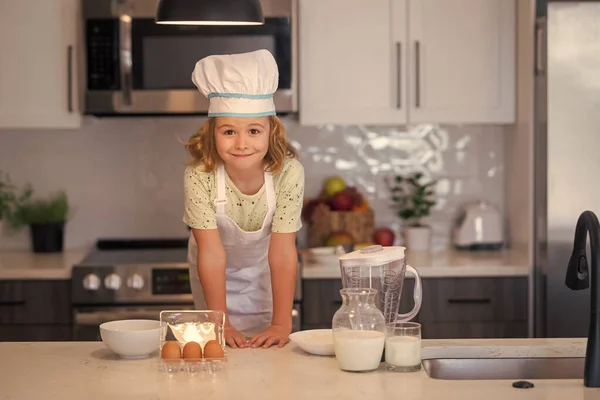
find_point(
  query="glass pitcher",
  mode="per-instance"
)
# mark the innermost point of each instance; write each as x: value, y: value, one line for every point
x: 381, y: 268
x: 358, y: 331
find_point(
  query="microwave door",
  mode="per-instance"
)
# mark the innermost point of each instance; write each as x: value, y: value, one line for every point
x: 149, y: 66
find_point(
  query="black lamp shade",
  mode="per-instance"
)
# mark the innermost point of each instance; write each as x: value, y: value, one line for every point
x: 209, y: 12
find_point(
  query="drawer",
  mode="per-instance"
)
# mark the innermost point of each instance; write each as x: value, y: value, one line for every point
x: 320, y: 300
x: 35, y: 302
x: 474, y: 299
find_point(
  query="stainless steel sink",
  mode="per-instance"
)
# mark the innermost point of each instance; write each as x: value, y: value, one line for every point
x: 504, y: 368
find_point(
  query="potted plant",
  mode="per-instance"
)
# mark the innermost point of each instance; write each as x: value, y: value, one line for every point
x: 413, y: 200
x: 7, y: 197
x: 46, y: 218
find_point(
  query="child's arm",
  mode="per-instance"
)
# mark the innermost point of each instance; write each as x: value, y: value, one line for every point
x: 283, y: 262
x: 211, y: 268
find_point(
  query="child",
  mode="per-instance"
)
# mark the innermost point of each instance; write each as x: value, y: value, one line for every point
x: 243, y: 198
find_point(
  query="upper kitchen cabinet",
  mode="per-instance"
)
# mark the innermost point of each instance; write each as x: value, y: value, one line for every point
x: 349, y: 68
x: 37, y: 64
x: 462, y: 67
x: 407, y: 61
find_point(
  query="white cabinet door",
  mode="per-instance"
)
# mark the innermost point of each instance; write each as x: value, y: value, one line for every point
x: 38, y: 64
x: 349, y: 62
x: 462, y: 61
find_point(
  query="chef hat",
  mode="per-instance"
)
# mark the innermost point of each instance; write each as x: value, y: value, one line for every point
x: 238, y: 85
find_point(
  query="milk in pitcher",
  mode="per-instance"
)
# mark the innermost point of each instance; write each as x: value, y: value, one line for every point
x: 359, y: 350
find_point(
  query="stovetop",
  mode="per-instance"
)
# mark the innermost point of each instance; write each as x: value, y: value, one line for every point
x: 111, y: 252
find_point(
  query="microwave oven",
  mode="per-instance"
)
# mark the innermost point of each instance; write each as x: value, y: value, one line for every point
x: 133, y: 66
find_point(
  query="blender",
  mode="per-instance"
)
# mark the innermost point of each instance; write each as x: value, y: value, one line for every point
x: 381, y: 268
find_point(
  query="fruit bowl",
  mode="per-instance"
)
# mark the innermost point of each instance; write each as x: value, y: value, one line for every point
x: 131, y: 338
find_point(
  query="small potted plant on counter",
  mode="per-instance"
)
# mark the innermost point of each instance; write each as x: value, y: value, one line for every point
x: 7, y: 197
x: 413, y: 200
x: 46, y: 218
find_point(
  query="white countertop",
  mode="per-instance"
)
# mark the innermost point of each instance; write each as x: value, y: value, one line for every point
x: 444, y: 264
x: 25, y: 264
x: 89, y: 371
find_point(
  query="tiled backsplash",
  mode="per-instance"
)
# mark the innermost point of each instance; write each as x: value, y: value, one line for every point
x: 124, y: 176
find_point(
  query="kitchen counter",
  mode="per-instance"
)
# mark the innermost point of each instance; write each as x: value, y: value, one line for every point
x: 87, y: 370
x: 443, y: 264
x: 25, y: 264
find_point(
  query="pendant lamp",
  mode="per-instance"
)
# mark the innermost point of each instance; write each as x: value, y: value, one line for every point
x: 209, y: 12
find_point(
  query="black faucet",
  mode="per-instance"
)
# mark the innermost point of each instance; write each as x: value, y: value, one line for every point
x: 578, y: 278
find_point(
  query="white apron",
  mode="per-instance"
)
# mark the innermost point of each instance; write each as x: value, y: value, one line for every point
x: 248, y: 279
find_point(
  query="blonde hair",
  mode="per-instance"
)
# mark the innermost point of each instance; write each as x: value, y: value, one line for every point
x: 203, y: 149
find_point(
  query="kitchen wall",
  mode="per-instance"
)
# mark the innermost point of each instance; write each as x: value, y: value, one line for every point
x: 124, y: 175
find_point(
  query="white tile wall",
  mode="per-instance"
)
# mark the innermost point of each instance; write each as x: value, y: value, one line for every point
x: 124, y: 175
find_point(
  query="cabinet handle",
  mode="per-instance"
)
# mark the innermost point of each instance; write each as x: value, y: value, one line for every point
x: 70, y: 79
x: 399, y: 68
x: 417, y: 74
x: 469, y: 301
x: 539, y: 44
x: 12, y: 303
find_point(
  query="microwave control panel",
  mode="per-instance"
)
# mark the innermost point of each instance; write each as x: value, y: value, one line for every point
x: 102, y: 54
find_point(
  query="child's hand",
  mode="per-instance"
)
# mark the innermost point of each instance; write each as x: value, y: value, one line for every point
x: 234, y: 338
x: 274, y: 334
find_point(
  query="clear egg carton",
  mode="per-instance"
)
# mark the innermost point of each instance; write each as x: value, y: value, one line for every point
x: 185, y: 326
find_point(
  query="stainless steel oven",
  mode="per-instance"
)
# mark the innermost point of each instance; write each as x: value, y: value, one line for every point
x: 136, y: 279
x: 131, y: 65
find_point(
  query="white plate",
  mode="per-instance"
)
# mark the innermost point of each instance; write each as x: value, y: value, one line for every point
x: 315, y: 341
x: 324, y: 255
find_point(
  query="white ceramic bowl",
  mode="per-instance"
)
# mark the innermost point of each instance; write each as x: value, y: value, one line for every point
x: 131, y: 338
x: 315, y: 341
x: 323, y: 255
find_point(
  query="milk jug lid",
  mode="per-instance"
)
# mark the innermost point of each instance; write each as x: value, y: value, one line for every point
x: 372, y: 255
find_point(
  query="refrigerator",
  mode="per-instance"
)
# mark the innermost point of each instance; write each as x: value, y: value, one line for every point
x: 566, y: 157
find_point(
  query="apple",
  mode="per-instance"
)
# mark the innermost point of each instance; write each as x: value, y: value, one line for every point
x: 334, y: 185
x: 384, y: 236
x: 341, y: 201
x: 357, y: 198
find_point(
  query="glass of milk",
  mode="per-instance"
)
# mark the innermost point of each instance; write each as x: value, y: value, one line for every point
x: 403, y: 347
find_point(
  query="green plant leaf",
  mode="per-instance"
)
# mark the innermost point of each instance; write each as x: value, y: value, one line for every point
x: 29, y: 211
x: 412, y: 198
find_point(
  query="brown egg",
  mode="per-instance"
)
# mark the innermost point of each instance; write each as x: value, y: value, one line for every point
x: 192, y: 350
x: 171, y: 350
x: 212, y: 349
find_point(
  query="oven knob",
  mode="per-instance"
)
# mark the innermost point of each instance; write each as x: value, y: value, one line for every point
x: 112, y: 282
x: 135, y: 281
x: 91, y: 282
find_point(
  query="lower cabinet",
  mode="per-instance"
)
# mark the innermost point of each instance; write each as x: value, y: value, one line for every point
x: 35, y: 310
x: 452, y: 307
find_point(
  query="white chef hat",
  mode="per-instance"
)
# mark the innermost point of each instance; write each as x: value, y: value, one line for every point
x: 238, y: 85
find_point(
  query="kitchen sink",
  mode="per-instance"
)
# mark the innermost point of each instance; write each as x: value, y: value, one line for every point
x: 504, y: 368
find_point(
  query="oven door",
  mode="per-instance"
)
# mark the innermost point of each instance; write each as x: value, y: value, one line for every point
x: 135, y: 66
x: 87, y: 321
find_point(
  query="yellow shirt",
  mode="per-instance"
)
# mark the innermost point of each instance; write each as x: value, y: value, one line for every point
x: 248, y: 211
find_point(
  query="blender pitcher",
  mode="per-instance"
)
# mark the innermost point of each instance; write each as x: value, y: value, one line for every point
x: 383, y: 269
